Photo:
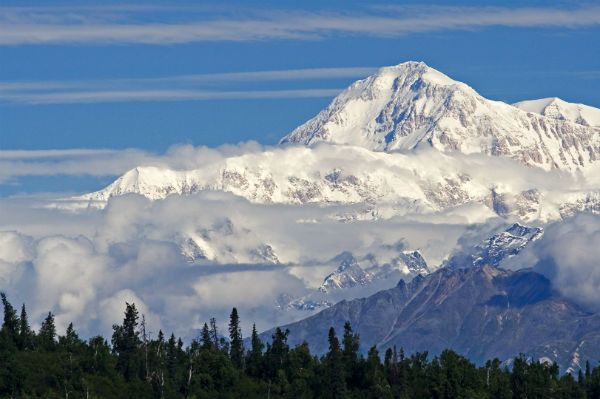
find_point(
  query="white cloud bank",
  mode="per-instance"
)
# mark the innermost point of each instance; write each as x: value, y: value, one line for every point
x: 569, y: 255
x: 83, y: 266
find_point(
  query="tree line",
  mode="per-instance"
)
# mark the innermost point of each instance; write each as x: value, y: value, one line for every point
x: 43, y: 364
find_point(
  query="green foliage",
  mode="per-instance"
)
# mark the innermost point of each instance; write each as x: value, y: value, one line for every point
x: 136, y: 366
x: 236, y: 346
x: 47, y: 334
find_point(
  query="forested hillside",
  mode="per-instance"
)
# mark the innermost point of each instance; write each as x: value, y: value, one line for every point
x: 133, y: 365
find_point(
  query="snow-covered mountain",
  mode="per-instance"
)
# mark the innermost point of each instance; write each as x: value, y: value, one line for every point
x: 386, y: 184
x: 350, y: 273
x: 455, y: 148
x: 412, y: 104
x: 497, y: 248
x: 359, y: 275
x: 556, y: 108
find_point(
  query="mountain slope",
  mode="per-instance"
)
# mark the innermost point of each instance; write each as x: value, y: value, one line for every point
x: 411, y: 104
x: 480, y: 312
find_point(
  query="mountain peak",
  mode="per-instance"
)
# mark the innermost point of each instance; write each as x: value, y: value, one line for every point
x: 409, y: 105
x: 417, y: 70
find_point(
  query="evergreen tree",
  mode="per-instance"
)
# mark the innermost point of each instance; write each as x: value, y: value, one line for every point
x: 277, y: 354
x: 351, y: 345
x: 70, y: 341
x: 377, y: 383
x: 126, y: 342
x: 10, y: 325
x: 79, y: 369
x: 47, y: 333
x: 26, y: 336
x: 172, y: 356
x: 255, y: 355
x: 207, y: 341
x: 519, y: 380
x: 214, y: 334
x: 236, y: 344
x: 335, y: 367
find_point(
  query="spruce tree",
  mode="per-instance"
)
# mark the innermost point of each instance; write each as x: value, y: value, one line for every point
x: 47, y: 333
x: 172, y: 356
x: 71, y: 340
x: 126, y: 343
x: 351, y: 345
x: 378, y: 385
x: 277, y: 354
x: 205, y: 338
x: 236, y: 346
x: 10, y: 326
x: 214, y: 333
x: 255, y: 356
x: 335, y: 367
x: 25, y: 333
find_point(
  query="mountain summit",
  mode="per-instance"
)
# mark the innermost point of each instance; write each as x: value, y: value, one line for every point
x: 411, y: 104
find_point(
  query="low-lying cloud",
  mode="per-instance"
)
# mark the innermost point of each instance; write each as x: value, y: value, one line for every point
x: 83, y: 266
x: 568, y: 254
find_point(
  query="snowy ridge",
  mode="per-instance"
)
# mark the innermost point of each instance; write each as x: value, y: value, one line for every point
x: 411, y: 104
x: 387, y: 184
x: 556, y: 108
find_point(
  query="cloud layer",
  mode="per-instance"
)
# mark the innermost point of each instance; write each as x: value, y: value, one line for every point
x: 568, y: 255
x: 83, y: 266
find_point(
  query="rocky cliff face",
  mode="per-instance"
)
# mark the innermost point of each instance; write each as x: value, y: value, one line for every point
x: 482, y: 313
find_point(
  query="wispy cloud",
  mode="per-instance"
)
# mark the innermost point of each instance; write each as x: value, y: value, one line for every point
x: 70, y: 152
x: 133, y: 25
x: 173, y: 88
x: 247, y: 76
x: 159, y: 95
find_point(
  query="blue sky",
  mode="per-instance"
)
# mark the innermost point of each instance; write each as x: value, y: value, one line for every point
x: 148, y: 75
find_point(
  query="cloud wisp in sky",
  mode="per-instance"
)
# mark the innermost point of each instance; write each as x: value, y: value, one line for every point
x: 110, y: 162
x: 110, y: 25
x: 174, y: 88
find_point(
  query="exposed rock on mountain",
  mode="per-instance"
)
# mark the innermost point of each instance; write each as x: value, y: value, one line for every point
x: 494, y: 250
x: 350, y: 273
x: 481, y: 312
